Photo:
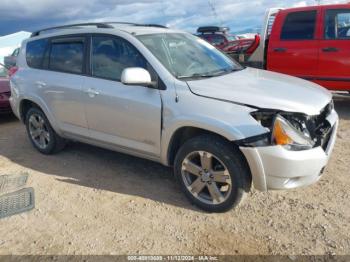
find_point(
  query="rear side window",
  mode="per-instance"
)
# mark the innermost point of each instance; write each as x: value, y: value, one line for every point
x: 67, y: 57
x: 299, y: 26
x: 35, y: 53
x: 337, y: 24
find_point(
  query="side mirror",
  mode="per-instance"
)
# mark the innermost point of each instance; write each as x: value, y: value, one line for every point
x: 136, y: 76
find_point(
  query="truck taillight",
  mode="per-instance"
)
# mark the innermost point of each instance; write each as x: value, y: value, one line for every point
x: 254, y: 45
x: 13, y: 70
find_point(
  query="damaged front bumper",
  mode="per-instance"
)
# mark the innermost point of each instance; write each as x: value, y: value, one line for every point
x: 277, y: 168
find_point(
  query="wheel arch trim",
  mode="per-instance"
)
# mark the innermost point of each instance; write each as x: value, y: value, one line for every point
x: 42, y: 106
x: 219, y: 128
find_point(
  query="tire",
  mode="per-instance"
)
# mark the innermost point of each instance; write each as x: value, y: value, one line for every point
x: 41, y: 133
x: 225, y: 182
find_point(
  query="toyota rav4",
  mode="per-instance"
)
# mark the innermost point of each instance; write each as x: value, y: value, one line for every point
x: 171, y: 97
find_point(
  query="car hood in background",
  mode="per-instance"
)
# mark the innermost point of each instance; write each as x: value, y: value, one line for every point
x: 263, y: 89
x: 4, y: 85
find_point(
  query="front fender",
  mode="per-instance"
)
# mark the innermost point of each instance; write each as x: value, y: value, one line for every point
x: 222, y: 128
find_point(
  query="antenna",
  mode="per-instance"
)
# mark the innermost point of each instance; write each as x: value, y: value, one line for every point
x: 214, y: 12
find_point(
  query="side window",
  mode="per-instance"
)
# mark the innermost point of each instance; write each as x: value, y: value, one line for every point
x: 35, y: 52
x: 67, y: 57
x: 299, y: 26
x: 111, y: 55
x: 16, y: 52
x: 337, y: 24
x: 217, y: 39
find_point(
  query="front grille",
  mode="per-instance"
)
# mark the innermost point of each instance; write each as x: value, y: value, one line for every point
x: 319, y: 128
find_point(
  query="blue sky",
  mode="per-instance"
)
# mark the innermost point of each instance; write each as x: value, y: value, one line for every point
x: 28, y: 15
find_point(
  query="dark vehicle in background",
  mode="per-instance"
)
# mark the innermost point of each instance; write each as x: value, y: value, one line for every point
x: 5, y: 93
x: 312, y: 43
x: 230, y: 44
x: 10, y: 61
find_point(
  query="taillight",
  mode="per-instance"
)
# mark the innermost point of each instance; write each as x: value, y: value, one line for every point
x: 12, y: 70
x: 254, y: 46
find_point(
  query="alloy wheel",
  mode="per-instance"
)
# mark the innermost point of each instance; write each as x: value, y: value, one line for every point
x: 206, y: 177
x: 39, y: 131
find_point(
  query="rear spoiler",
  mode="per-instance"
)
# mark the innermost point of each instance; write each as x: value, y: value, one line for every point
x: 258, y: 56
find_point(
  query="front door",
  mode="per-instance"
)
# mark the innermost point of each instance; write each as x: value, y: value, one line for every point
x: 334, y: 64
x: 122, y: 115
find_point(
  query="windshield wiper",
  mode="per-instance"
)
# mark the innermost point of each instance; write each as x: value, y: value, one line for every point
x: 218, y: 72
x: 196, y: 76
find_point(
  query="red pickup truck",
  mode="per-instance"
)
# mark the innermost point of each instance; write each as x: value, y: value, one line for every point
x: 308, y: 42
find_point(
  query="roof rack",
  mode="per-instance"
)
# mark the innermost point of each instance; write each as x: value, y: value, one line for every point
x: 211, y: 29
x: 98, y: 25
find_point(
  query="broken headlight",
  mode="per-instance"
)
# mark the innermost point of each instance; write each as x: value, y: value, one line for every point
x: 288, y: 130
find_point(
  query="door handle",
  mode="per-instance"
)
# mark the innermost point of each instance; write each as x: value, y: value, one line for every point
x: 330, y: 49
x: 92, y: 92
x: 280, y: 49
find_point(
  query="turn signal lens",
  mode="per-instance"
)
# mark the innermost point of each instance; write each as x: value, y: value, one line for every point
x: 280, y: 136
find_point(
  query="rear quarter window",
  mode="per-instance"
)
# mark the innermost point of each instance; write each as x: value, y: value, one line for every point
x: 299, y: 26
x: 35, y: 52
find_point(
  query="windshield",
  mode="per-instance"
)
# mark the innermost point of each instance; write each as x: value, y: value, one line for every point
x: 3, y: 71
x: 231, y: 38
x: 188, y: 56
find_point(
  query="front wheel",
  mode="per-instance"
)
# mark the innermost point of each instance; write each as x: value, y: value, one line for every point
x: 212, y: 173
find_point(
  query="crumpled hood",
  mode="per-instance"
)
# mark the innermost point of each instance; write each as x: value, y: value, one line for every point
x: 4, y: 85
x: 264, y: 89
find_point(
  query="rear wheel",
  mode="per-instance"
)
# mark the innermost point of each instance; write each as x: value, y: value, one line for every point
x: 212, y: 173
x: 41, y: 134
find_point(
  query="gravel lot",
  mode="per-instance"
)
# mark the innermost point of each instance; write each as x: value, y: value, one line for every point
x: 94, y: 201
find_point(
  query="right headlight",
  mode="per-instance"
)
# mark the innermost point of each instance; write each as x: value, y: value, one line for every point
x: 289, y: 131
x: 287, y: 135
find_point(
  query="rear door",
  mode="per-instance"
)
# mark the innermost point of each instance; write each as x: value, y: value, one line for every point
x: 334, y: 64
x: 60, y: 85
x: 293, y: 45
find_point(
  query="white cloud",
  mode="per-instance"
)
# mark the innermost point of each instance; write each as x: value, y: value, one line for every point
x: 184, y: 14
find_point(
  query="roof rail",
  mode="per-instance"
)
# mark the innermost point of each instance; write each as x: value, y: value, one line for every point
x: 152, y: 25
x: 135, y: 24
x: 98, y: 25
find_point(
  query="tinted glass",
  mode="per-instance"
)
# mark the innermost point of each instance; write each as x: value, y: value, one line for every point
x: 187, y: 56
x: 217, y: 39
x: 15, y: 53
x: 337, y: 24
x: 110, y: 56
x: 35, y: 52
x: 299, y: 26
x: 67, y: 57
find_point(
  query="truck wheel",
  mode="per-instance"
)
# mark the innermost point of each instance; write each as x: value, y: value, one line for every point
x: 212, y: 173
x: 41, y: 134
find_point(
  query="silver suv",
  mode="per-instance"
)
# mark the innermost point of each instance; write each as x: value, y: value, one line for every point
x: 171, y: 97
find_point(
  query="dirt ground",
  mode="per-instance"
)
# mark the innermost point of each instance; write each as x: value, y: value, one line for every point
x: 94, y: 201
